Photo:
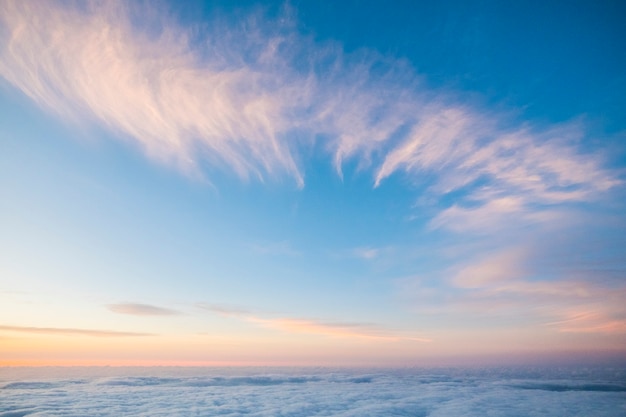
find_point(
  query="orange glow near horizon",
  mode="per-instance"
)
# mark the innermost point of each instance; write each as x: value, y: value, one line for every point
x: 188, y: 352
x: 301, y: 343
x: 129, y: 363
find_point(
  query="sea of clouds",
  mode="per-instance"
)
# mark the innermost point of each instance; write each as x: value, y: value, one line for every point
x: 119, y: 391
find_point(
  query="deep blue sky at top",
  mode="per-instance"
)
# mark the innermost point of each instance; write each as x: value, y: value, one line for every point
x: 549, y: 60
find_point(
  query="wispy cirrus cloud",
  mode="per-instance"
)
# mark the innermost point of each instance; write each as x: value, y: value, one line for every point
x: 507, y: 284
x: 464, y: 147
x: 242, y: 97
x: 71, y: 332
x: 345, y: 330
x: 366, y: 252
x: 226, y: 311
x: 589, y: 322
x: 154, y: 87
x: 136, y: 309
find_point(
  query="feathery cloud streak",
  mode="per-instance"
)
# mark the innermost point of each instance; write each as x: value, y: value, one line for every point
x: 71, y: 332
x: 506, y: 284
x: 347, y: 330
x: 245, y: 98
x: 317, y: 327
x: 136, y: 309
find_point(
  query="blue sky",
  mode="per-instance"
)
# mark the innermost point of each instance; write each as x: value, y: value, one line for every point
x: 360, y: 182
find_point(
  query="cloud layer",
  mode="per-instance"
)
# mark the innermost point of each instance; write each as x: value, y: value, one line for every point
x: 311, y: 392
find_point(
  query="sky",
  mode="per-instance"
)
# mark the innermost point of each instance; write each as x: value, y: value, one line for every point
x: 312, y: 183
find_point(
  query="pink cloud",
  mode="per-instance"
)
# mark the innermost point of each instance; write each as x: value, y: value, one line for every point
x: 71, y: 332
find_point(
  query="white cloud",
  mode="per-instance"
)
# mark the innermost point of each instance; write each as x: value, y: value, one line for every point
x: 154, y: 89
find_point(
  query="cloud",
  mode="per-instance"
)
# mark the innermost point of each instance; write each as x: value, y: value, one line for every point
x: 227, y: 311
x: 493, y: 270
x: 252, y: 97
x: 308, y: 326
x: 71, y: 332
x: 152, y: 86
x: 366, y: 252
x: 590, y: 322
x: 509, y: 284
x: 338, y: 329
x: 141, y: 310
x: 464, y: 146
x: 484, y: 219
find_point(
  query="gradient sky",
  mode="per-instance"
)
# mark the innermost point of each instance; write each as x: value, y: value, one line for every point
x: 351, y: 182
